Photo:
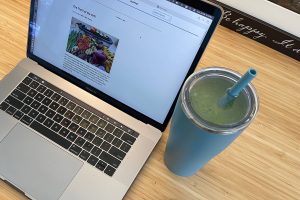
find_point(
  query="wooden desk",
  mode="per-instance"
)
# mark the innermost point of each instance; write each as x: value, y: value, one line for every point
x: 263, y: 163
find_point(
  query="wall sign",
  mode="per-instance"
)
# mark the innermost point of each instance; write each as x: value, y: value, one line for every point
x: 260, y: 31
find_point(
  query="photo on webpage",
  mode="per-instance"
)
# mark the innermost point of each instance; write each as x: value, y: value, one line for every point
x: 92, y: 45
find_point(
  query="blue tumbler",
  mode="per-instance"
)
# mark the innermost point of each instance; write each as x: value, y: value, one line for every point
x: 200, y: 132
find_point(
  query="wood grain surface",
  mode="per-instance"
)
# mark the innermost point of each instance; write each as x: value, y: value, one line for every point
x: 263, y: 163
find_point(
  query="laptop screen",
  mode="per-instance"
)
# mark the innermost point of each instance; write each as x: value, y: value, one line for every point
x: 137, y: 52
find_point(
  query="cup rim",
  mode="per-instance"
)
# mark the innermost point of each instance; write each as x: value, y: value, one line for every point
x: 214, y: 128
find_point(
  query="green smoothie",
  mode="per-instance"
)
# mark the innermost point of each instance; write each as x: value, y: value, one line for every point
x: 204, y: 96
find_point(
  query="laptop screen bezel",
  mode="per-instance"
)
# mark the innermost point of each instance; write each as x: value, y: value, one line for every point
x: 205, y: 7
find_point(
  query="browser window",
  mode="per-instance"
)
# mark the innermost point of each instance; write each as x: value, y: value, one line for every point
x: 136, y: 51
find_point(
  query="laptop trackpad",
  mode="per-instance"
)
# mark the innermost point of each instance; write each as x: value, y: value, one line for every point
x: 36, y: 166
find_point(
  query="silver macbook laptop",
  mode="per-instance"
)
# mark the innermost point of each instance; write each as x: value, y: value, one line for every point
x: 81, y: 114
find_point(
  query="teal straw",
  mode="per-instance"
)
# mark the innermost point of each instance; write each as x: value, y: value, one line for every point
x: 236, y: 89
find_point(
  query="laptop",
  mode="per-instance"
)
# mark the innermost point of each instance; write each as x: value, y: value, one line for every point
x: 81, y: 114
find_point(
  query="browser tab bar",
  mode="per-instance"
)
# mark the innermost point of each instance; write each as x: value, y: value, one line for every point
x: 190, y: 8
x: 170, y: 12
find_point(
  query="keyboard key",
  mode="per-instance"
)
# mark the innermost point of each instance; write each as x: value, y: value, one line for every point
x: 33, y: 113
x: 87, y: 146
x: 69, y: 114
x: 71, y: 105
x: 55, y: 97
x: 18, y: 95
x: 48, y: 93
x: 79, y: 141
x: 109, y: 137
x: 41, y: 118
x: 102, y: 123
x: 61, y: 110
x: 96, y: 151
x: 100, y: 133
x: 117, y: 153
x: 14, y: 102
x: 73, y: 127
x: 18, y: 115
x: 77, y: 119
x: 84, y: 155
x: 46, y: 101
x: 81, y: 131
x: 64, y: 132
x: 26, y: 119
x: 118, y: 132
x: 92, y: 160
x: 63, y: 101
x: 105, y: 146
x: 11, y: 110
x: 97, y: 141
x: 56, y: 127
x: 32, y: 93
x: 84, y: 123
x: 43, y: 109
x: 109, y: 170
x: 86, y: 114
x: 54, y: 105
x: 4, y: 106
x: 109, y: 128
x: 23, y: 88
x: 92, y: 128
x: 50, y: 113
x: 34, y: 84
x: 72, y: 136
x: 78, y: 110
x: 101, y: 165
x: 110, y: 159
x: 127, y: 138
x: 48, y: 122
x: 65, y: 122
x: 89, y: 136
x: 58, y: 118
x: 41, y: 89
x: 26, y: 109
x: 94, y: 119
x: 50, y: 134
x: 117, y: 142
x: 28, y: 100
x: 27, y: 81
x: 35, y: 105
x: 39, y: 97
x: 125, y: 147
x: 75, y: 149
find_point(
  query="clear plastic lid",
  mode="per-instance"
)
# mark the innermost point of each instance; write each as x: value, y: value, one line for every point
x: 217, y: 72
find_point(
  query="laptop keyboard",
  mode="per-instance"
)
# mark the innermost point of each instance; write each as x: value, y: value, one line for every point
x: 86, y: 132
